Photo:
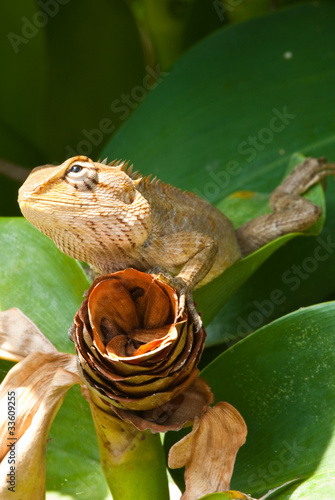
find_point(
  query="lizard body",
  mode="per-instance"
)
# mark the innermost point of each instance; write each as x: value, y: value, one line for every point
x: 112, y: 218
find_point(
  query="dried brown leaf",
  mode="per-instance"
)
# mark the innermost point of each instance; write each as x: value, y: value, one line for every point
x: 39, y: 382
x: 19, y: 336
x: 209, y: 451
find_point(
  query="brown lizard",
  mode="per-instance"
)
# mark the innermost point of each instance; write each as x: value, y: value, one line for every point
x: 112, y: 218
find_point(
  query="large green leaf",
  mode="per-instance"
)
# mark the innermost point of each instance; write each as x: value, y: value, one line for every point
x: 48, y: 287
x: 195, y: 129
x: 212, y: 127
x: 281, y: 379
x: 59, y: 55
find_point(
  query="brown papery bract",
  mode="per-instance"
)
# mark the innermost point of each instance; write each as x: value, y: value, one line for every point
x: 136, y: 355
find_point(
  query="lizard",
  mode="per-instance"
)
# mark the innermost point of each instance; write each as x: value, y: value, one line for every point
x: 112, y: 218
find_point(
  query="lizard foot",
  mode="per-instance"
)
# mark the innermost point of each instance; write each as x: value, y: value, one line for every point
x: 307, y: 174
x: 185, y: 296
x: 319, y: 172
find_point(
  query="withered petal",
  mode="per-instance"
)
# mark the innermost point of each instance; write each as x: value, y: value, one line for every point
x: 153, y: 385
x: 117, y: 347
x: 209, y: 451
x: 146, y: 335
x: 161, y: 341
x: 153, y: 307
x: 152, y: 353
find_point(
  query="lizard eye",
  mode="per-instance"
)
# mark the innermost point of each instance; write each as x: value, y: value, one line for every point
x: 77, y: 172
x: 81, y: 177
x: 75, y: 169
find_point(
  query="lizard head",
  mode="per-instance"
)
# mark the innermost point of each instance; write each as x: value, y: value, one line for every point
x: 92, y: 211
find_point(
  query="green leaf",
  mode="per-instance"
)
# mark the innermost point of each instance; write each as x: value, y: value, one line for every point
x: 72, y: 459
x: 296, y: 275
x: 281, y: 379
x: 90, y: 48
x: 213, y: 296
x: 36, y: 277
x: 196, y: 129
x: 66, y: 77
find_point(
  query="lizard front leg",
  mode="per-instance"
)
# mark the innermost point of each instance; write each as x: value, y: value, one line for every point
x: 291, y: 212
x: 193, y: 270
x: 192, y: 273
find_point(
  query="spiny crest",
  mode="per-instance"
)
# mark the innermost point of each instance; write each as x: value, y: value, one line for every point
x: 148, y: 180
x: 162, y: 186
x: 125, y: 167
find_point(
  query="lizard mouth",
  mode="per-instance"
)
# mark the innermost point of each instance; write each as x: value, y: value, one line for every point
x: 46, y: 201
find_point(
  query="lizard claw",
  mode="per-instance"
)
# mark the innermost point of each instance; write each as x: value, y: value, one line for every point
x: 193, y: 313
x: 182, y: 302
x: 186, y: 299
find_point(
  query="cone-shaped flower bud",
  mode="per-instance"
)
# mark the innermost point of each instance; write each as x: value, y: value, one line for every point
x: 137, y: 356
